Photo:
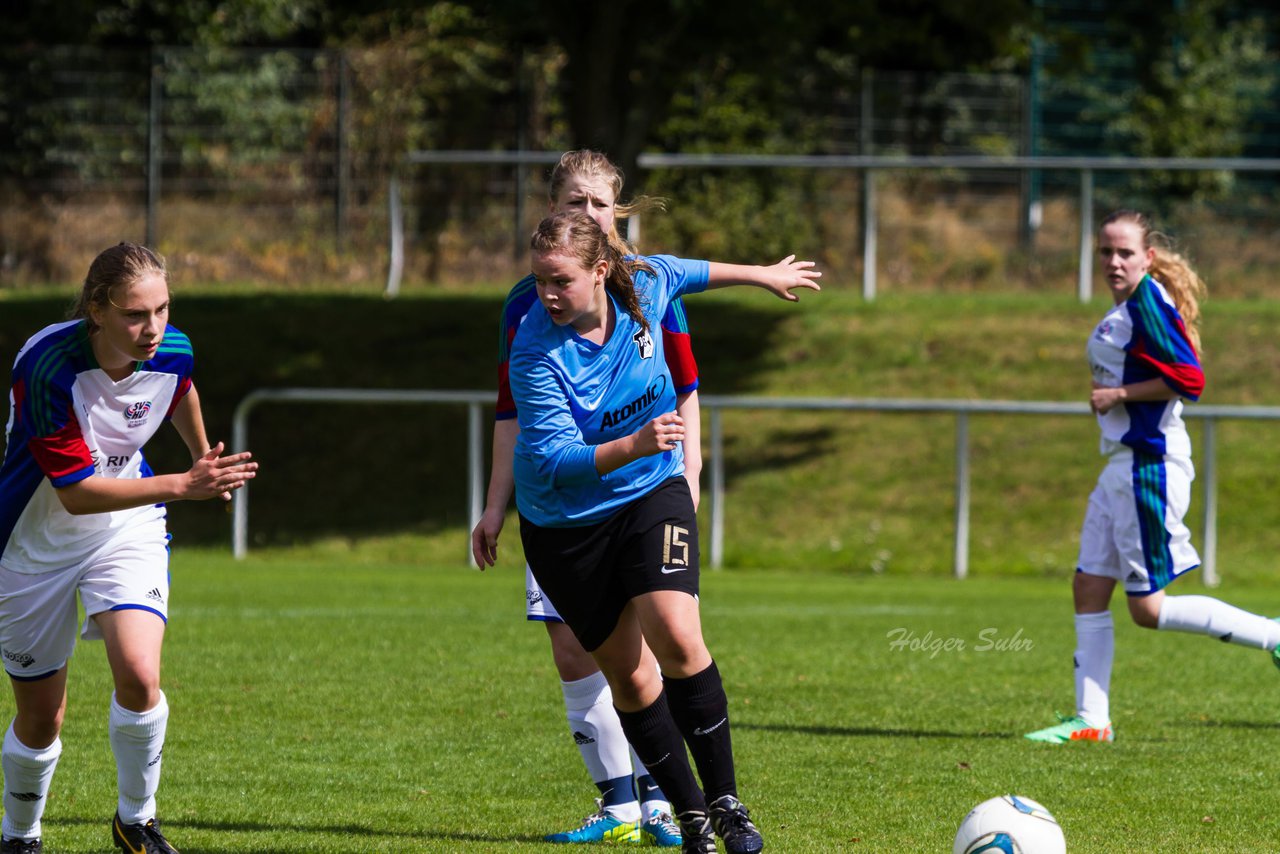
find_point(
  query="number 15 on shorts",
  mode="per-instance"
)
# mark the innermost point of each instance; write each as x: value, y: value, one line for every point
x: 675, y: 548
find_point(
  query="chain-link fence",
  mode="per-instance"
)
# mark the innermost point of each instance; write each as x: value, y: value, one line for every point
x: 274, y: 166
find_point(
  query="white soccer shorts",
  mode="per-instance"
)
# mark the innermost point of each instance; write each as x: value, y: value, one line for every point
x: 1133, y: 529
x: 38, y: 612
x: 537, y: 605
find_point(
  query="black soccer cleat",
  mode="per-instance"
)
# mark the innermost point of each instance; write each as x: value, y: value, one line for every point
x: 20, y: 846
x: 143, y: 838
x: 695, y: 832
x: 732, y: 821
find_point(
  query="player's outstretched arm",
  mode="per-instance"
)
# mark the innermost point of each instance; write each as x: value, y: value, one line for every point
x: 211, y: 476
x: 780, y: 279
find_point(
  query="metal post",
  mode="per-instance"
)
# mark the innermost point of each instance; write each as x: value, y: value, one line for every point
x: 962, y: 495
x: 395, y: 221
x: 240, y: 498
x: 865, y: 141
x: 1209, y: 474
x: 1084, y: 285
x: 519, y: 237
x: 153, y: 149
x: 475, y: 469
x: 340, y: 155
x: 869, y: 235
x: 717, y: 488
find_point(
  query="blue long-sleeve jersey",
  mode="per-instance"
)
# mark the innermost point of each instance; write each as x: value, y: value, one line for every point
x: 572, y: 395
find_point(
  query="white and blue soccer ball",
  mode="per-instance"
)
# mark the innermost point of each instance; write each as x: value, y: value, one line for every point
x: 1009, y: 824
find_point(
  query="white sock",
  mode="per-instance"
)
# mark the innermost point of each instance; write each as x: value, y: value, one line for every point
x: 1204, y: 615
x: 27, y: 773
x: 1095, y: 648
x: 588, y: 705
x: 137, y: 740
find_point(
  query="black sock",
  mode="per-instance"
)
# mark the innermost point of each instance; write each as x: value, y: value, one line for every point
x: 658, y: 745
x: 701, y: 710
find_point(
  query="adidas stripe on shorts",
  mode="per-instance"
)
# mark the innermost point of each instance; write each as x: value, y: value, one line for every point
x: 38, y: 618
x: 1133, y: 529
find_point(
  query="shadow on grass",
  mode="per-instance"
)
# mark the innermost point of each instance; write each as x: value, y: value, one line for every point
x: 1255, y: 725
x: 782, y: 449
x: 352, y: 830
x: 864, y: 732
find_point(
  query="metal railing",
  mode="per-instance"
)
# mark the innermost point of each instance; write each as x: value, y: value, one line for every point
x: 869, y: 165
x: 714, y: 405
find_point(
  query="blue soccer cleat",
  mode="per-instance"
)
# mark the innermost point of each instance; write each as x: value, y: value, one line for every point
x: 599, y: 827
x: 661, y: 829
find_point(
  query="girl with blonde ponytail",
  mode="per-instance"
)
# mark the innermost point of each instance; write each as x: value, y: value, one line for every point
x: 1144, y: 358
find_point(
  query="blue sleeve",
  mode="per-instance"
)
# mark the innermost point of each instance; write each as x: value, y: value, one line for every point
x: 680, y: 276
x: 560, y: 454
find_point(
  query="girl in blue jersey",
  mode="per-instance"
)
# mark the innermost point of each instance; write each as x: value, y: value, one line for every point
x: 588, y: 182
x: 82, y: 514
x: 606, y: 519
x: 1144, y: 357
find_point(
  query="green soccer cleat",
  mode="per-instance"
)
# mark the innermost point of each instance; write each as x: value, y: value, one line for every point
x: 599, y: 827
x: 1071, y: 729
x: 661, y: 830
x: 1275, y: 653
x: 142, y: 838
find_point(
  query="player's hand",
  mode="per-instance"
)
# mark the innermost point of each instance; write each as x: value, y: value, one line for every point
x: 788, y: 274
x: 661, y: 434
x: 216, y: 476
x: 484, y: 539
x: 1103, y: 398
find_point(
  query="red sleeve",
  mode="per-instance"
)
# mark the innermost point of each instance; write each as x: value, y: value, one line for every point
x: 678, y: 347
x: 63, y: 456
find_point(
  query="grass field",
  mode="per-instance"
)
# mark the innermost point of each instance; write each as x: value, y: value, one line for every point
x: 327, y: 701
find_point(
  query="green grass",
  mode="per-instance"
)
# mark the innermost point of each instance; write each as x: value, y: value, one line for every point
x: 341, y: 699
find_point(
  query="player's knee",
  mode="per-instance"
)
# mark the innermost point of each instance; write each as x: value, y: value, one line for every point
x: 38, y: 728
x: 138, y: 692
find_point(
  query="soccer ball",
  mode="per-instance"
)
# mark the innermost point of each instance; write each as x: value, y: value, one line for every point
x: 1009, y: 824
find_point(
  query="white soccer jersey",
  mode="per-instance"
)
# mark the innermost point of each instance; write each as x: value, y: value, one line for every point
x: 1140, y: 339
x: 68, y: 421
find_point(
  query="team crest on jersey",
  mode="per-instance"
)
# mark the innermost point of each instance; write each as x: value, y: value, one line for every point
x: 136, y: 413
x: 644, y: 343
x: 1104, y: 329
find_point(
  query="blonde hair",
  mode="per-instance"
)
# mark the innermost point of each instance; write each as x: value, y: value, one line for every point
x: 585, y: 163
x: 1170, y: 269
x: 120, y: 266
x: 575, y: 234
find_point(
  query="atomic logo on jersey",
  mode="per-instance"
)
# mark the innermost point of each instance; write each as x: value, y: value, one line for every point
x: 625, y: 413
